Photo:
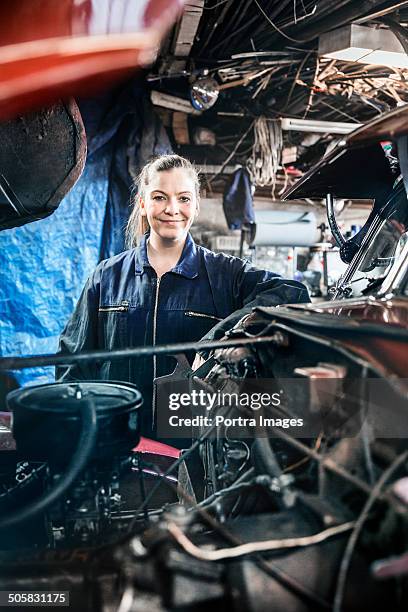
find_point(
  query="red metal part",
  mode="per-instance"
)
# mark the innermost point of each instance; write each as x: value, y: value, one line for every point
x: 145, y: 445
x: 388, y: 355
x: 393, y: 311
x: 54, y: 49
x: 156, y: 448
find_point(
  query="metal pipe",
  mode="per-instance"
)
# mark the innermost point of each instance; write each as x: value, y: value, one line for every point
x: 19, y: 363
x: 328, y: 464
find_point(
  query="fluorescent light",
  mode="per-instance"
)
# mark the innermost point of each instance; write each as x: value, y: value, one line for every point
x: 314, y: 126
x: 364, y: 45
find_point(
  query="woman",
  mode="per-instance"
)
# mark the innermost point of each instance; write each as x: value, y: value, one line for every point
x: 165, y: 288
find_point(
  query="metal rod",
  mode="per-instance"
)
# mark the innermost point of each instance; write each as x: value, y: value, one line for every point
x: 19, y: 363
x: 358, y: 258
x: 328, y: 464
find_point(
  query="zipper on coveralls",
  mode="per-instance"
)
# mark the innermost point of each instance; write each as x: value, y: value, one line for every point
x: 191, y: 313
x: 123, y: 307
x: 156, y: 302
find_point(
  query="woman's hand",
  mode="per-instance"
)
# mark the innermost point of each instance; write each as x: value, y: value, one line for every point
x: 198, y: 362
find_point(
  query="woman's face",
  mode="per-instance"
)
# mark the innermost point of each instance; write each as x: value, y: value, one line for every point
x: 170, y: 203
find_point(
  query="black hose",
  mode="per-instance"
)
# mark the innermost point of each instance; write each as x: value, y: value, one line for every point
x: 264, y: 458
x: 79, y: 460
x: 331, y: 218
x: 400, y: 32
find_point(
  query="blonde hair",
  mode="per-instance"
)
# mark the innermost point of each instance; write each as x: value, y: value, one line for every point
x: 138, y: 224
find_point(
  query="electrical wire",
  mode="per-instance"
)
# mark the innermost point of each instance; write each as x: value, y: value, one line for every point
x: 277, y: 573
x: 238, y: 485
x: 253, y: 547
x: 231, y: 155
x: 275, y: 27
x: 312, y: 89
x: 211, y: 8
x: 286, y: 580
x: 256, y: 547
x: 348, y: 553
x: 280, y: 575
x: 293, y: 466
x: 266, y: 153
x: 297, y: 75
x: 170, y: 470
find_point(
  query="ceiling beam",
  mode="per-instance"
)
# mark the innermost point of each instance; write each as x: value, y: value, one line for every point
x: 187, y: 28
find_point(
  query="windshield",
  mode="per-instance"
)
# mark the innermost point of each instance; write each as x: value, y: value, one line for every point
x: 386, y: 249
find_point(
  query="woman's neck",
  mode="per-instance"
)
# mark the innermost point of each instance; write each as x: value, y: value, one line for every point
x: 163, y: 255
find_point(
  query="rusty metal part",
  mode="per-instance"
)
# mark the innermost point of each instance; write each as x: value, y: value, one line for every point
x: 41, y: 158
x: 323, y: 370
x: 325, y: 384
x: 382, y: 350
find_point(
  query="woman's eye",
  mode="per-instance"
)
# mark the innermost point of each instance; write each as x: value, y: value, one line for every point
x: 158, y: 198
x: 185, y: 199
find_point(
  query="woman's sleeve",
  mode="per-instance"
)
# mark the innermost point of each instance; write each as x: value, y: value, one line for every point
x: 81, y: 334
x: 253, y: 287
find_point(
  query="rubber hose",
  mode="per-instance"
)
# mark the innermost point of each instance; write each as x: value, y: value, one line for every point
x: 79, y: 460
x: 264, y: 458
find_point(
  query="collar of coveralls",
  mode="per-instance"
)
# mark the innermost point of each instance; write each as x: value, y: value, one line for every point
x: 188, y: 264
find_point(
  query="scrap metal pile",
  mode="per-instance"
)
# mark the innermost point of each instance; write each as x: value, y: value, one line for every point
x: 263, y: 59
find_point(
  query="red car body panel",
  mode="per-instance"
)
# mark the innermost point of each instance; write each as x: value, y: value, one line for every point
x: 52, y: 50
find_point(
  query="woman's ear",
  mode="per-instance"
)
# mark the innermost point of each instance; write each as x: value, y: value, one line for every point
x: 142, y: 208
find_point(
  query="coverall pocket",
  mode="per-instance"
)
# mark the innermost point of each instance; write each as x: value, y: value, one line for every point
x: 202, y: 315
x: 113, y: 325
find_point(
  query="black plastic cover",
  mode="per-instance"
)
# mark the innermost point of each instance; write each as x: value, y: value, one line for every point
x: 42, y: 155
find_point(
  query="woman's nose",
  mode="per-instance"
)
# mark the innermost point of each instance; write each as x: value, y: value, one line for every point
x: 172, y: 206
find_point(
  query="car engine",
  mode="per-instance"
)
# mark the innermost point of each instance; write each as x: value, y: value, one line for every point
x: 258, y: 514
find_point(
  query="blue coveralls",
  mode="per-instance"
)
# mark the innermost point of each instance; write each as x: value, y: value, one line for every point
x: 124, y: 304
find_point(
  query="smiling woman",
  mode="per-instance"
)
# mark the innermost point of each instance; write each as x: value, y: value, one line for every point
x: 166, y: 206
x: 164, y: 288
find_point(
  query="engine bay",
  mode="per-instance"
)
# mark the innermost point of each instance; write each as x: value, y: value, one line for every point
x: 234, y: 520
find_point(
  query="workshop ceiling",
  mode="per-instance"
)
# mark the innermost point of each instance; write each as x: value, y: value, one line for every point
x: 264, y: 57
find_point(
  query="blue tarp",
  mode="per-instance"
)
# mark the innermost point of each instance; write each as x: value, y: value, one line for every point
x: 44, y: 265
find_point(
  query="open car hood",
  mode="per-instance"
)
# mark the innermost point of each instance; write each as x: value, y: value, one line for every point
x: 346, y: 173
x: 357, y: 167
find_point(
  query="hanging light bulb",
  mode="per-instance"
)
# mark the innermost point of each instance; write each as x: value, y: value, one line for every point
x: 204, y: 93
